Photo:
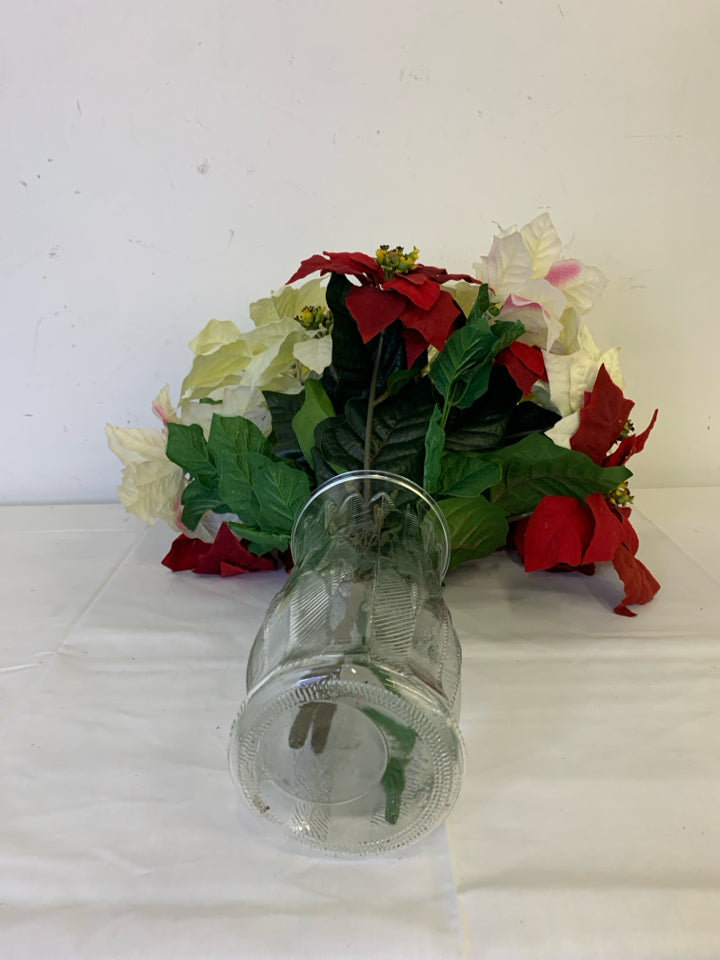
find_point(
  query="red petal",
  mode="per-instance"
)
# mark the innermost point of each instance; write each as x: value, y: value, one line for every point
x: 373, y: 309
x: 354, y: 264
x: 435, y: 324
x: 185, y: 553
x: 440, y: 274
x: 640, y: 585
x: 629, y: 446
x: 227, y: 549
x: 630, y: 538
x: 558, y: 531
x: 417, y: 288
x: 602, y: 418
x: 524, y: 363
x: 414, y: 345
x: 608, y: 531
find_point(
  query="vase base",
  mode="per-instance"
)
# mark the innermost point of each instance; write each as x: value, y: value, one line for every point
x: 346, y: 759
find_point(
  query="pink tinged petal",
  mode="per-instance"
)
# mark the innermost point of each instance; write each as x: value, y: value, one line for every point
x: 564, y: 272
x: 160, y: 412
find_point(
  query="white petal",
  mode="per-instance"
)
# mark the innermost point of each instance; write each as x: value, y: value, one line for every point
x: 543, y: 243
x: 463, y: 293
x: 507, y: 267
x: 215, y: 334
x: 162, y: 405
x: 564, y: 430
x: 315, y: 354
x: 584, y: 289
x: 287, y: 302
x: 135, y: 444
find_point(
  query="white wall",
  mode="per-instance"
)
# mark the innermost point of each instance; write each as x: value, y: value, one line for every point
x: 165, y: 161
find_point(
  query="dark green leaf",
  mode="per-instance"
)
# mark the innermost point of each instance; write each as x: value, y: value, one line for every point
x: 535, y: 467
x: 283, y: 407
x: 434, y: 443
x: 187, y: 447
x: 400, y: 379
x: 351, y: 368
x: 526, y: 418
x: 316, y: 408
x: 477, y: 527
x: 467, y: 475
x: 483, y: 425
x: 399, y: 428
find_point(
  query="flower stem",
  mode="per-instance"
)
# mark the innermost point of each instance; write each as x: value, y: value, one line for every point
x: 371, y: 404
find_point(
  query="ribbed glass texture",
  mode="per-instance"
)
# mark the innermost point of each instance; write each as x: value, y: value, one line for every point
x: 348, y: 740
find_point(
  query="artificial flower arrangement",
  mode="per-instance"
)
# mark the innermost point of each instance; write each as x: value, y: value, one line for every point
x: 487, y: 389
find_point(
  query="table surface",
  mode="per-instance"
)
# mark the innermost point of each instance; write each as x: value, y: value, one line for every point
x: 589, y: 821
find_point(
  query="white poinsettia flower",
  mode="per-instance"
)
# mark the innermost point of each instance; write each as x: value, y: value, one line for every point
x: 278, y: 354
x: 525, y: 270
x: 569, y: 377
x: 289, y: 302
x: 463, y: 293
x: 235, y: 401
x: 151, y: 485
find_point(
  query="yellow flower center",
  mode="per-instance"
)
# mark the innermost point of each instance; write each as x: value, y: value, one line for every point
x: 394, y: 260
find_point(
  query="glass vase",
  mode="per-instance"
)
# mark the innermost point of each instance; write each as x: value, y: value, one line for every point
x: 348, y: 740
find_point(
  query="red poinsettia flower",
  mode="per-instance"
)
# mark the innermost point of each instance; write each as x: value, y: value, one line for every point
x: 602, y: 421
x: 226, y: 555
x: 524, y: 363
x: 427, y: 313
x: 562, y: 533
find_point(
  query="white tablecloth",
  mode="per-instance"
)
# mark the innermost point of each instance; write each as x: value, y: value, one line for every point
x: 589, y: 821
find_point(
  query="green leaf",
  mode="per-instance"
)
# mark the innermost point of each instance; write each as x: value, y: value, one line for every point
x: 466, y: 350
x: 462, y: 371
x: 187, y: 447
x: 234, y: 436
x: 467, y: 475
x: 197, y: 499
x: 505, y: 333
x: 481, y: 304
x: 393, y: 783
x: 535, y: 467
x: 399, y: 428
x: 261, y: 541
x: 279, y: 492
x: 434, y: 443
x: 477, y: 527
x: 237, y: 447
x: 236, y: 483
x: 316, y: 408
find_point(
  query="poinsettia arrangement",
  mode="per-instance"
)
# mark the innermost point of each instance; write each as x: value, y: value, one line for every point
x: 485, y: 388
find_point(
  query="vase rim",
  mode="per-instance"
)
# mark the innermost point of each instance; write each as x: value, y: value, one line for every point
x: 391, y: 478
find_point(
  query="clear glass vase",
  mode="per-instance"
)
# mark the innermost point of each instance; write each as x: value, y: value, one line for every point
x: 348, y: 739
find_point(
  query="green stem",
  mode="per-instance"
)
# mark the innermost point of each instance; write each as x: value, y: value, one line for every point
x: 447, y: 406
x: 371, y: 404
